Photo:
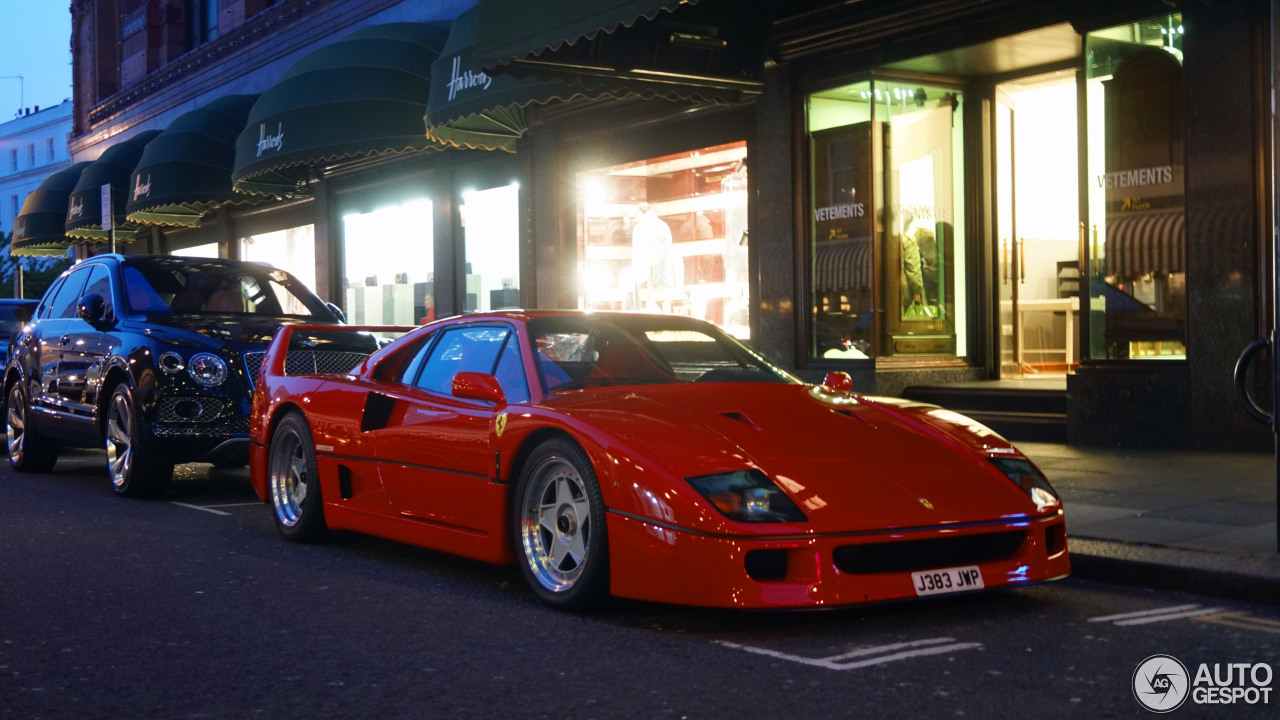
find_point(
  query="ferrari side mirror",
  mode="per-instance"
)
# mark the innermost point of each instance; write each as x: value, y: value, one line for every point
x: 478, y: 386
x: 839, y: 381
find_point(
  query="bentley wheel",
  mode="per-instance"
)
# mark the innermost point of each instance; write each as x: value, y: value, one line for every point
x: 134, y: 464
x: 559, y: 527
x: 28, y: 452
x: 294, y: 483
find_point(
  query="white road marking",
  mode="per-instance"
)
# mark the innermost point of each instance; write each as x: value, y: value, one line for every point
x: 882, y: 653
x: 198, y: 507
x: 1144, y: 617
x: 244, y: 504
x: 1243, y: 621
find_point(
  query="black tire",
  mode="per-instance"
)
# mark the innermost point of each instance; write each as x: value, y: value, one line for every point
x: 135, y: 464
x: 293, y: 482
x: 28, y: 451
x: 558, y: 526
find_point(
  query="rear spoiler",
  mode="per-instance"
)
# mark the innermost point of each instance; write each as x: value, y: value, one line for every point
x: 273, y: 363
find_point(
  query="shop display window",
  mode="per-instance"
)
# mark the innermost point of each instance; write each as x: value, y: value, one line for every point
x: 886, y: 221
x: 1136, y: 240
x: 389, y: 265
x: 292, y: 250
x: 491, y: 236
x: 207, y: 250
x: 668, y: 235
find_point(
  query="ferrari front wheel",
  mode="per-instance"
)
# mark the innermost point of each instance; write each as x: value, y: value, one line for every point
x: 294, y: 482
x: 559, y: 527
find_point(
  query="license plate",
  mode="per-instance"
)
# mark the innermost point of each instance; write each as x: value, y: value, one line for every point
x: 947, y: 580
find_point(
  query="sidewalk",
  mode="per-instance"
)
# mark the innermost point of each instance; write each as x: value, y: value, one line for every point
x: 1178, y: 519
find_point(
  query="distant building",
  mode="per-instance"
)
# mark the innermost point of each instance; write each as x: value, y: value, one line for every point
x: 32, y: 146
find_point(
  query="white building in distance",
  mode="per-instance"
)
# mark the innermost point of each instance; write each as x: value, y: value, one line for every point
x: 33, y: 146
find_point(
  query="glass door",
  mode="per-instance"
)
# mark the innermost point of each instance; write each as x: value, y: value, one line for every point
x: 1005, y: 236
x: 1037, y: 225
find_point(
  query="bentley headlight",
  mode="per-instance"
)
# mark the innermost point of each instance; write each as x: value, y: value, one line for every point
x: 1026, y: 476
x: 747, y: 496
x: 207, y: 370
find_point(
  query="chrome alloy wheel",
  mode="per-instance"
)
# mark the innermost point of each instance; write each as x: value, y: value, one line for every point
x: 15, y: 425
x: 287, y: 474
x: 119, y: 440
x: 556, y: 524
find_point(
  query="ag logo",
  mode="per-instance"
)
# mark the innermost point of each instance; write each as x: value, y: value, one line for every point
x: 500, y: 423
x: 1160, y: 683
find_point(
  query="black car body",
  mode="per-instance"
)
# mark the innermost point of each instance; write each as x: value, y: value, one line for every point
x: 154, y: 359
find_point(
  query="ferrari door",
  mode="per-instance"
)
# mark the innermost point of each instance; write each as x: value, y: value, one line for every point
x: 435, y: 450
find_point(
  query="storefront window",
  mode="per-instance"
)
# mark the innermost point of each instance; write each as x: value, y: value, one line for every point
x: 887, y: 225
x: 491, y: 232
x: 388, y: 261
x: 668, y: 235
x: 1137, y: 205
x: 292, y: 250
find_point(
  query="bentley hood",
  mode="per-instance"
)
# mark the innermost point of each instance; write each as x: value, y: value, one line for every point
x: 848, y: 462
x: 239, y: 331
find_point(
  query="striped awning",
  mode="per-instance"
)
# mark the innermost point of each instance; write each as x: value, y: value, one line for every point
x: 844, y: 266
x: 1147, y: 242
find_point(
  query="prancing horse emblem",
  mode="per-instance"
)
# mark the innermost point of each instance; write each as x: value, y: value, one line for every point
x: 925, y: 502
x: 500, y: 423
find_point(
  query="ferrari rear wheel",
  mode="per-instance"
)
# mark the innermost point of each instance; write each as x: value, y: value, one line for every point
x: 294, y: 482
x: 559, y: 527
x: 28, y: 452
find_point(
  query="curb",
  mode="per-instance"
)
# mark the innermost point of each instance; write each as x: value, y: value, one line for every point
x: 1251, y: 579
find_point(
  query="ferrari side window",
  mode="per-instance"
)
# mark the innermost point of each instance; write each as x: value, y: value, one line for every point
x: 466, y: 348
x: 510, y: 373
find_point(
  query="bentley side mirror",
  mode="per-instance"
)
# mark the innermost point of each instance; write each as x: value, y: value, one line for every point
x: 91, y: 308
x: 478, y: 386
x: 839, y: 381
x: 337, y: 312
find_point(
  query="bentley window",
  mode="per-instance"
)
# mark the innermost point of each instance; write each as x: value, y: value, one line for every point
x: 183, y: 287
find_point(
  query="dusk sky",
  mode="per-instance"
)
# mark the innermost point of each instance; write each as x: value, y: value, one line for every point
x: 35, y: 42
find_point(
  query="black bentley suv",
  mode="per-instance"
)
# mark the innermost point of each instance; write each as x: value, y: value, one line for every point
x: 154, y: 358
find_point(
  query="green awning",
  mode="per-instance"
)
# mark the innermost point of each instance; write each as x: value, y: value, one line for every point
x: 469, y: 108
x: 510, y: 29
x: 362, y: 96
x: 40, y: 228
x: 703, y: 51
x: 84, y: 207
x: 186, y: 171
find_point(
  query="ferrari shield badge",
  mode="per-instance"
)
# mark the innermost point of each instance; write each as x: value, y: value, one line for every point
x: 923, y: 501
x: 500, y: 423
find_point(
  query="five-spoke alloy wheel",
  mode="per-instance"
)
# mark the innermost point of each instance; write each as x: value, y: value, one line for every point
x: 293, y: 482
x: 559, y: 527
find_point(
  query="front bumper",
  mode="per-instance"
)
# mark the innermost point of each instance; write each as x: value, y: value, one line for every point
x: 671, y: 565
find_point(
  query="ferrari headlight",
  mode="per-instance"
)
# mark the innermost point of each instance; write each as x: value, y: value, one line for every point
x: 1025, y: 476
x: 747, y: 496
x: 207, y: 370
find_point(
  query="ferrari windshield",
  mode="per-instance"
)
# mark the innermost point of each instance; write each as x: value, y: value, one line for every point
x: 200, y: 286
x: 594, y: 350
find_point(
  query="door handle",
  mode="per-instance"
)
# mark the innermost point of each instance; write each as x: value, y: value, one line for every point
x: 1022, y: 261
x: 1004, y: 251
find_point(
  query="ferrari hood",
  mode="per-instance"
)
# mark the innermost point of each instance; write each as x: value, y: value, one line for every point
x: 849, y: 463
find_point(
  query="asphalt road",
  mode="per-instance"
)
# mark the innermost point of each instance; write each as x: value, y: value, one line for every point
x: 192, y: 606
